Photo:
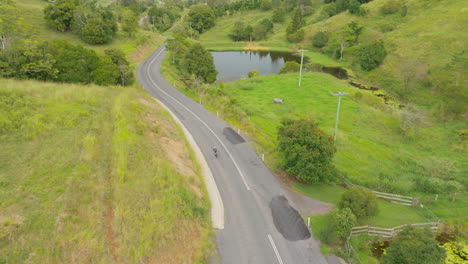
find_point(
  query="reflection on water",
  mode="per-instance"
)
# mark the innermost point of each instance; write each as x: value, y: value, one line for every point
x: 234, y: 65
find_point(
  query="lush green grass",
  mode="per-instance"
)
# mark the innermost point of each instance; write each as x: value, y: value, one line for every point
x: 91, y: 174
x: 136, y: 47
x: 429, y: 34
x: 372, y: 148
x: 390, y: 215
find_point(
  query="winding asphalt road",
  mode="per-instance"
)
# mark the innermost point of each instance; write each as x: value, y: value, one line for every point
x: 258, y: 226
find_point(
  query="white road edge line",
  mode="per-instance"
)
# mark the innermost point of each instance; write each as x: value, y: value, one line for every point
x: 196, y: 116
x: 272, y: 242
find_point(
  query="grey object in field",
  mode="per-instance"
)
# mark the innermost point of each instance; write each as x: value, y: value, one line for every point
x: 278, y: 101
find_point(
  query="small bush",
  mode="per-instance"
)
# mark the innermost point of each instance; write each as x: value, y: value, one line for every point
x: 253, y: 74
x: 320, y: 39
x: 372, y: 55
x: 278, y: 15
x: 330, y: 10
x: 362, y: 202
x: 391, y: 7
x: 297, y: 36
x: 290, y: 66
x: 342, y: 221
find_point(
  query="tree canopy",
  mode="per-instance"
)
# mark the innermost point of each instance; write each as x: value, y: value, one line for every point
x: 199, y: 62
x: 306, y: 151
x: 370, y: 56
x: 414, y: 246
x: 201, y: 17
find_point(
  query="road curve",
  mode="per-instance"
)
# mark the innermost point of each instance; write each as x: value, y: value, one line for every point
x: 254, y: 230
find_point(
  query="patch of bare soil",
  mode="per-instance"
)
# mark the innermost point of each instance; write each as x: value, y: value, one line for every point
x: 304, y: 204
x: 166, y: 137
x: 142, y: 51
x: 109, y: 218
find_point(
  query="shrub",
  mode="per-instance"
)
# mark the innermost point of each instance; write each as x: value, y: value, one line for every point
x: 416, y: 246
x: 391, y: 7
x: 329, y: 10
x: 267, y: 24
x: 265, y: 5
x: 259, y: 32
x: 278, y: 15
x: 253, y: 74
x: 73, y: 62
x: 297, y: 36
x: 341, y: 5
x: 107, y: 72
x: 290, y: 66
x: 342, y: 221
x: 362, y: 202
x: 93, y: 24
x: 306, y: 151
x: 372, y: 55
x: 126, y: 76
x: 320, y: 39
x: 242, y: 32
x: 163, y: 17
x: 59, y: 15
x: 354, y: 7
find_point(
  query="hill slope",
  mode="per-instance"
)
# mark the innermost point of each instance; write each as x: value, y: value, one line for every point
x: 427, y: 45
x: 93, y: 174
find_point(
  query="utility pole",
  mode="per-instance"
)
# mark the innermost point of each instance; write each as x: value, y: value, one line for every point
x: 338, y: 112
x: 152, y: 18
x: 300, y: 70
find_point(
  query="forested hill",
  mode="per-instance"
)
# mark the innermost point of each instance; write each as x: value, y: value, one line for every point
x: 415, y: 49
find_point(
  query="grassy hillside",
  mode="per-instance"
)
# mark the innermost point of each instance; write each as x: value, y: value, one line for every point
x: 428, y: 40
x: 136, y: 47
x: 93, y: 174
x: 374, y: 146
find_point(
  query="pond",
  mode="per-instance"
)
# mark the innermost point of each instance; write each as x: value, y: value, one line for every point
x: 235, y: 65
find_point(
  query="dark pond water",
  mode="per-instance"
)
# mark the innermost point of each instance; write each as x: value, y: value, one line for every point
x: 234, y: 65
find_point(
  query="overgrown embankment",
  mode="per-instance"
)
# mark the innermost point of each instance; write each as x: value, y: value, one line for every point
x: 96, y: 174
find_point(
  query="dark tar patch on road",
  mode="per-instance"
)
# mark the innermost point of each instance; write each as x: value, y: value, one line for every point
x: 287, y: 220
x: 232, y: 136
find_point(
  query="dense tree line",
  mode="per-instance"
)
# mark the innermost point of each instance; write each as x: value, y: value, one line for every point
x: 61, y: 61
x: 244, y: 32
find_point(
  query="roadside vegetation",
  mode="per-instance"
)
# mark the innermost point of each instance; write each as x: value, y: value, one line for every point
x: 91, y: 174
x: 96, y: 174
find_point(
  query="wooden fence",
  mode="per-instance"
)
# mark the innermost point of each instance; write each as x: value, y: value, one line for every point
x: 393, y: 198
x: 397, y: 199
x: 390, y: 232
